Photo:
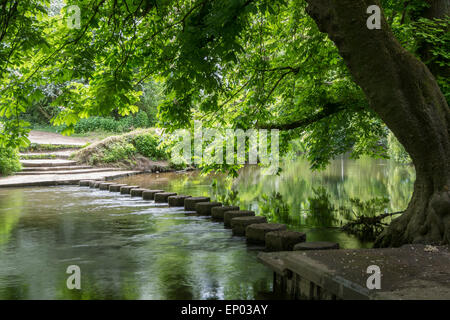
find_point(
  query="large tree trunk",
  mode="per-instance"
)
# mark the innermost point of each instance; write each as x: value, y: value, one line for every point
x: 403, y: 92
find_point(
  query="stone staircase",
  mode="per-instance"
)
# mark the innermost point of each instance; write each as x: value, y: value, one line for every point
x: 55, y: 161
x: 49, y: 164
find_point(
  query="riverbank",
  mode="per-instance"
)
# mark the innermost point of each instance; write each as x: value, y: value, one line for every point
x: 54, y: 159
x: 141, y: 150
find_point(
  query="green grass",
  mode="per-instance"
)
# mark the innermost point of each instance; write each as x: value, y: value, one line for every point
x: 123, y: 150
x: 37, y: 156
x: 50, y: 147
x: 46, y: 128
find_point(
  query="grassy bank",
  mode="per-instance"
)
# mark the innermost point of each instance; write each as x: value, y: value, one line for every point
x: 142, y: 149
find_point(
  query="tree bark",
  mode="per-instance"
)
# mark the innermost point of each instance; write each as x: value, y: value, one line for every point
x: 404, y: 93
x: 437, y: 9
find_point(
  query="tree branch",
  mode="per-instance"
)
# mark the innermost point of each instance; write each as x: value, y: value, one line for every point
x: 329, y: 109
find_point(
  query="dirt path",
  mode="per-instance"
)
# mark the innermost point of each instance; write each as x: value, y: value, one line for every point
x: 42, y: 137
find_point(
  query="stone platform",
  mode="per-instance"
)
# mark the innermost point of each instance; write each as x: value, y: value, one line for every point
x: 61, y: 179
x: 410, y: 272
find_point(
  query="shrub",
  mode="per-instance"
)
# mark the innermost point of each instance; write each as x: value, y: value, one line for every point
x: 140, y: 120
x: 96, y: 124
x: 118, y: 151
x: 109, y: 124
x: 9, y: 161
x: 148, y: 146
x: 124, y: 149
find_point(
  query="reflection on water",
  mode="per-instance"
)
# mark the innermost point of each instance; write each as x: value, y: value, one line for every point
x: 286, y: 198
x: 134, y: 249
x: 126, y: 249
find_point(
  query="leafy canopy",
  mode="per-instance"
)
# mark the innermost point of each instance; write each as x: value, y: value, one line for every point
x: 233, y: 64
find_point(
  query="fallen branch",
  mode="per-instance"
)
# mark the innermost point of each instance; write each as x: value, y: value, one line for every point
x: 368, y: 228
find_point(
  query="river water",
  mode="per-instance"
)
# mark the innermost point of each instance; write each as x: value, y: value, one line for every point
x: 128, y: 248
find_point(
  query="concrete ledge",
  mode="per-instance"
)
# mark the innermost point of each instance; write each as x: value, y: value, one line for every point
x: 239, y: 224
x: 316, y: 245
x: 204, y: 208
x: 189, y: 203
x: 217, y: 212
x: 177, y: 201
x: 410, y: 272
x: 228, y: 215
x: 46, y: 180
x: 163, y: 196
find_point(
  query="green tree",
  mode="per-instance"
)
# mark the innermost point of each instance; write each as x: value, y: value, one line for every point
x: 309, y: 67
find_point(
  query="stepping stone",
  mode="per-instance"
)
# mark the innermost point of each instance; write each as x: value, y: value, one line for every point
x: 189, y: 203
x: 116, y: 187
x: 283, y: 240
x: 217, y: 212
x: 85, y: 183
x: 97, y: 184
x: 163, y: 196
x: 127, y: 189
x: 105, y: 185
x: 204, y: 208
x: 137, y: 192
x: 228, y: 215
x: 177, y: 201
x: 316, y: 245
x: 92, y: 183
x: 150, y: 194
x: 256, y: 233
x: 239, y: 224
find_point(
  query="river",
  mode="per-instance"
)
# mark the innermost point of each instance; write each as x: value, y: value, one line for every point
x: 128, y: 248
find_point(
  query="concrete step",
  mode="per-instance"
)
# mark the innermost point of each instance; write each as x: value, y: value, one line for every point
x: 65, y: 154
x: 92, y: 170
x: 47, y: 147
x: 66, y: 168
x: 47, y: 163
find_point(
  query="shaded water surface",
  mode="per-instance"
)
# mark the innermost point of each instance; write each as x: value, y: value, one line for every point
x: 287, y: 198
x: 128, y: 248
